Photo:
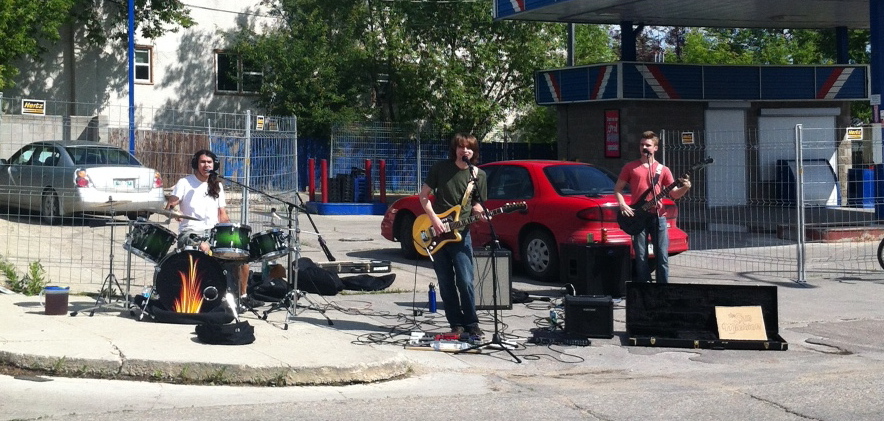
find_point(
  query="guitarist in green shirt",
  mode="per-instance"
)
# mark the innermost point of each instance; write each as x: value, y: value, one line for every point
x: 647, y: 179
x: 448, y: 182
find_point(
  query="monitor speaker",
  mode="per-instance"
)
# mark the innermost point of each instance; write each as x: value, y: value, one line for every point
x: 483, y: 281
x: 596, y: 269
x: 589, y: 315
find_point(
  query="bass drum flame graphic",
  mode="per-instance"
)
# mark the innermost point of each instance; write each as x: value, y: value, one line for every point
x: 189, y: 281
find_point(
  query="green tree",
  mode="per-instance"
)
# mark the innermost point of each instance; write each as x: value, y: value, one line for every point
x: 29, y: 27
x: 448, y: 64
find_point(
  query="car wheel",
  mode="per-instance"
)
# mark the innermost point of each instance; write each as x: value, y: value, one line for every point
x: 49, y: 208
x: 540, y: 256
x: 406, y: 244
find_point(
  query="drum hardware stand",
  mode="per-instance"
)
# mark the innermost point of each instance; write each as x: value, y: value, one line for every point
x: 495, y: 246
x: 290, y: 302
x: 111, y: 279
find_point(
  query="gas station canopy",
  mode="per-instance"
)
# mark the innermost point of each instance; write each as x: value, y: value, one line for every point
x: 804, y: 14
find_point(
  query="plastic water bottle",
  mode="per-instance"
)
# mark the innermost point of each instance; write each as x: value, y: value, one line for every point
x: 553, y: 320
x: 432, y: 298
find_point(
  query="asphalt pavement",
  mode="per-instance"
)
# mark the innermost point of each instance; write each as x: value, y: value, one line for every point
x: 356, y: 337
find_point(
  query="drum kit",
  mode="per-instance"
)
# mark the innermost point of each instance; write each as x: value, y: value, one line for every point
x: 190, y: 281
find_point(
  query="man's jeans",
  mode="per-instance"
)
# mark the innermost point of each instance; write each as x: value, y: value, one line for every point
x: 656, y: 228
x: 453, y: 264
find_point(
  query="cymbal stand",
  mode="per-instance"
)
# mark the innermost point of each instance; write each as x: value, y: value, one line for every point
x: 290, y: 302
x: 111, y: 279
x: 495, y: 246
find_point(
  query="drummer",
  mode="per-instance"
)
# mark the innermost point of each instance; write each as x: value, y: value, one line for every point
x: 200, y: 195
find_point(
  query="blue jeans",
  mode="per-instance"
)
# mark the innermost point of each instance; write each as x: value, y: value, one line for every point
x: 656, y: 228
x: 453, y: 264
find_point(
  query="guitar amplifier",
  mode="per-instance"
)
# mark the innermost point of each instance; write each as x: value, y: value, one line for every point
x: 596, y: 269
x: 483, y: 280
x: 589, y: 315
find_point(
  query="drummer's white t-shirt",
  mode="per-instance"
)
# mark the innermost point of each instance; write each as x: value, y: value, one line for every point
x: 196, y: 202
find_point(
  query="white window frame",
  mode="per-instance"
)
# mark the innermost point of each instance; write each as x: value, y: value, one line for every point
x: 148, y: 65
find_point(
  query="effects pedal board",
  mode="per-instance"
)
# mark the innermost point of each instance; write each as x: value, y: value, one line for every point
x: 542, y: 336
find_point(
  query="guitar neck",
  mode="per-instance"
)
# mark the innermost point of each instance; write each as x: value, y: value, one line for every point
x: 456, y: 225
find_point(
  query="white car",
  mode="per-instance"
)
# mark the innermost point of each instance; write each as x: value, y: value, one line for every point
x: 60, y: 178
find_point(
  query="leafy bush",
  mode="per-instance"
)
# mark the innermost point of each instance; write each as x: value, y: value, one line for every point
x: 31, y: 284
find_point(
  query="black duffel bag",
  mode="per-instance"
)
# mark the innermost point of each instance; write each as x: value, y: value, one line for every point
x: 239, y: 333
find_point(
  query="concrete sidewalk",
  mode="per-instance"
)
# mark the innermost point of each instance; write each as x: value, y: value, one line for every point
x: 369, y: 331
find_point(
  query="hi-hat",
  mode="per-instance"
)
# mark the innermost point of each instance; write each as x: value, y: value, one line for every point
x: 172, y: 214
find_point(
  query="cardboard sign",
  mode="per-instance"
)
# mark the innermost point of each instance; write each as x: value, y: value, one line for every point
x: 740, y: 323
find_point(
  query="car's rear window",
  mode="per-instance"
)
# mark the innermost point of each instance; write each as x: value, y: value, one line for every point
x: 91, y: 155
x: 580, y: 179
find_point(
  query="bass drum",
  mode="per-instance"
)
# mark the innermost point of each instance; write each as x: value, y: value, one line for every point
x: 190, y: 281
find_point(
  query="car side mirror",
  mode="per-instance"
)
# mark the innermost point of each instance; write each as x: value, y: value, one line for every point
x: 3, y: 161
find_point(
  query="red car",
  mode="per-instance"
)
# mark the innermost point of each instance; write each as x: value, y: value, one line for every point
x: 566, y: 202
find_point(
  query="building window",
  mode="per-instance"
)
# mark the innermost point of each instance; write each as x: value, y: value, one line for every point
x: 234, y: 74
x: 143, y: 64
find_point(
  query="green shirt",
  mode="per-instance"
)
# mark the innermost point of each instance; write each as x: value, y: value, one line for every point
x: 449, y: 183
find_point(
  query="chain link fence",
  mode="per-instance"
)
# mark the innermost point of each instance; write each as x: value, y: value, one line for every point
x: 80, y: 249
x: 794, y: 204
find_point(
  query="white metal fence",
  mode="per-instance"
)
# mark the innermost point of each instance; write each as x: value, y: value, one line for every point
x: 794, y: 204
x: 78, y: 251
x: 757, y: 209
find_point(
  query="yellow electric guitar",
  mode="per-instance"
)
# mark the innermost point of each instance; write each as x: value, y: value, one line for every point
x: 427, y: 241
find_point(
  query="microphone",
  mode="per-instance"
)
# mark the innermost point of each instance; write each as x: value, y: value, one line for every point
x: 213, y: 172
x: 467, y: 161
x: 647, y: 152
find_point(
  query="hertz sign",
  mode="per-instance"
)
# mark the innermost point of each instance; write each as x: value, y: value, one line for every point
x: 33, y: 107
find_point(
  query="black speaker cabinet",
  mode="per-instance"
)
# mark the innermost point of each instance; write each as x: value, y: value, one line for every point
x: 596, y: 269
x: 483, y: 281
x: 589, y: 315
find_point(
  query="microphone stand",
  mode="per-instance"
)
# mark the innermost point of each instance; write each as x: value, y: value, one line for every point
x: 495, y: 246
x: 290, y: 301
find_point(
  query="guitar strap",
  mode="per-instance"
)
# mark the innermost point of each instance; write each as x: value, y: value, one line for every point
x: 465, y: 203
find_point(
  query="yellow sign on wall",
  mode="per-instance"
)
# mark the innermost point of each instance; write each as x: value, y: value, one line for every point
x: 33, y: 107
x: 854, y: 133
x: 687, y: 138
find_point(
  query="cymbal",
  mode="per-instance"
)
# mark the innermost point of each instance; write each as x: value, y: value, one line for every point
x: 172, y: 214
x: 272, y: 214
x: 110, y: 203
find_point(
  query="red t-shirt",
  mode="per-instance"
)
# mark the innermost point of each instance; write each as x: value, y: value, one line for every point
x: 636, y: 176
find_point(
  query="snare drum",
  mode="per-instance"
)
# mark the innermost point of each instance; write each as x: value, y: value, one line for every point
x: 268, y: 245
x: 190, y: 281
x: 149, y: 241
x: 230, y: 241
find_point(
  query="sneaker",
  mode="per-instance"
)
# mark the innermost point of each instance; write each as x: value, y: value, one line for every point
x: 456, y: 330
x: 476, y: 331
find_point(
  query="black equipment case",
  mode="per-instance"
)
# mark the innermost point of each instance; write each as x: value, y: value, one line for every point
x: 683, y: 315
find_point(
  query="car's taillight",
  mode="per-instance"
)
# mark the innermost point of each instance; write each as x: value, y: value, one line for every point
x: 599, y: 213
x: 157, y: 180
x: 81, y: 180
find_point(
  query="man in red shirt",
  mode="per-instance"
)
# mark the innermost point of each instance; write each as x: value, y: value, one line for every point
x: 648, y: 175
